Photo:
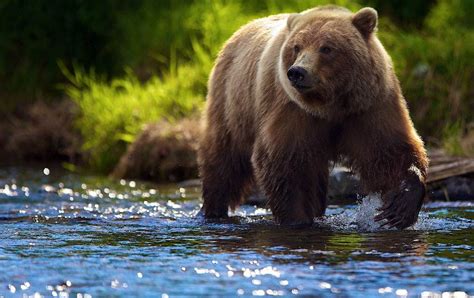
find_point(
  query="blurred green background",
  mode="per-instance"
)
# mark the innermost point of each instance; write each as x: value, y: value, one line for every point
x: 132, y: 62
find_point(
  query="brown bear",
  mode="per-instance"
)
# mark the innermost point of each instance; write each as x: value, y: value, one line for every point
x: 292, y: 92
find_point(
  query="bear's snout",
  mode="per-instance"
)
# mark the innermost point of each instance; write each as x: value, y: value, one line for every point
x: 299, y: 77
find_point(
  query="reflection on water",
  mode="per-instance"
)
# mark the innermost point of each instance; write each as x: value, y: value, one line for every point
x: 82, y: 236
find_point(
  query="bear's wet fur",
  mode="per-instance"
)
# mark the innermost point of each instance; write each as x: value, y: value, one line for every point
x: 288, y: 94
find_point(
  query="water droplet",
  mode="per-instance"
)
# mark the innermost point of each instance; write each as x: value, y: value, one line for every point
x: 114, y: 283
x: 26, y: 284
x: 256, y: 282
x: 247, y: 273
x: 258, y: 293
x: 11, y: 288
x: 274, y: 292
x: 401, y: 292
x: 324, y: 285
x: 385, y: 290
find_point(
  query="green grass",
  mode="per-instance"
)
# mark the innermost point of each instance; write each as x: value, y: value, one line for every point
x: 112, y: 113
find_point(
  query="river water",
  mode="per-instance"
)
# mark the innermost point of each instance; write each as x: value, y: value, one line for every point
x: 64, y: 234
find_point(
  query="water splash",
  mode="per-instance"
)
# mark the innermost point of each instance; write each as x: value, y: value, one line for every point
x: 361, y: 218
x: 366, y: 211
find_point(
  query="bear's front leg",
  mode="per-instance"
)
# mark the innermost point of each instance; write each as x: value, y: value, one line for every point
x: 293, y: 180
x: 386, y: 151
x: 397, y: 170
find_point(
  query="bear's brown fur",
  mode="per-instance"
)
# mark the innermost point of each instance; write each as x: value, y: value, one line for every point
x: 288, y: 94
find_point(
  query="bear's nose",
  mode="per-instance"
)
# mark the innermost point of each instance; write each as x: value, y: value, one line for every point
x: 297, y: 74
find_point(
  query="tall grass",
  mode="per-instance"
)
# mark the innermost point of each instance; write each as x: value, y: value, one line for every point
x: 112, y: 113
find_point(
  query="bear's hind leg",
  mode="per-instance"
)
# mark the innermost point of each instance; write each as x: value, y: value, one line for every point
x: 226, y: 176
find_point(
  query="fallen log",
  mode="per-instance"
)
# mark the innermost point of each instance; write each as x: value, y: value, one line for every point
x: 443, y: 166
x: 450, y: 169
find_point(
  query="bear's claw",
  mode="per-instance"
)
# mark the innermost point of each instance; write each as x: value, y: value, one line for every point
x: 402, y: 206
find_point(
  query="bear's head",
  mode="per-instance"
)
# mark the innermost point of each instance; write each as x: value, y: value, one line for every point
x: 331, y: 63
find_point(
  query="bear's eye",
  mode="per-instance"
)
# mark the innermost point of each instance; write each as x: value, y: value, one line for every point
x: 296, y: 49
x: 325, y: 50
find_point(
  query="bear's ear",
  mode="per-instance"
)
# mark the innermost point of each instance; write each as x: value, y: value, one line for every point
x: 365, y: 20
x: 291, y: 20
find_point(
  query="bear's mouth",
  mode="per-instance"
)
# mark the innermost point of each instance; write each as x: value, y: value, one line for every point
x: 313, y: 96
x: 300, y: 87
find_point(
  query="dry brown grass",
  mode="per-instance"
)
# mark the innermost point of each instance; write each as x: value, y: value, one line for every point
x: 162, y: 152
x: 42, y: 132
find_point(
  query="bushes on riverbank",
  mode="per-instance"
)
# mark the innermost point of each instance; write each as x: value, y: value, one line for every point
x: 113, y: 113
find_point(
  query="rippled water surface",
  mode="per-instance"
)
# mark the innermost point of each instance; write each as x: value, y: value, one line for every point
x: 67, y: 234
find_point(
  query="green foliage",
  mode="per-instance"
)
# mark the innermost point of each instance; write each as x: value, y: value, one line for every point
x: 109, y: 35
x: 436, y: 69
x: 114, y: 112
x: 106, y: 35
x: 405, y: 13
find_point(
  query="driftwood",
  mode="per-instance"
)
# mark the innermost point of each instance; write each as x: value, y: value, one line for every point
x: 443, y: 166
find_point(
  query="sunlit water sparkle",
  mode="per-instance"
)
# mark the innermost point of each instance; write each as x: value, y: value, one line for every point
x: 81, y: 236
